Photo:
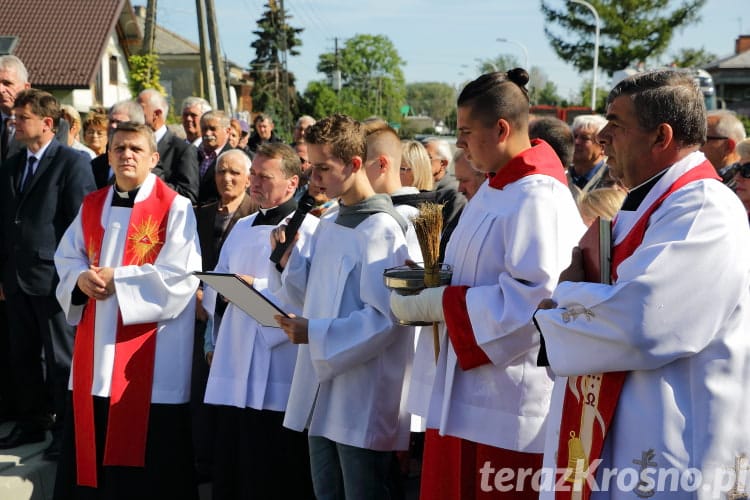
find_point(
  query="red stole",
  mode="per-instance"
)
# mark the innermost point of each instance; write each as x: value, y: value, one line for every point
x: 133, y: 370
x: 591, y: 400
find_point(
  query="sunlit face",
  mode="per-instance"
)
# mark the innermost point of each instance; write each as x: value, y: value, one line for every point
x: 30, y: 127
x: 479, y: 142
x: 304, y: 158
x: 299, y: 129
x: 264, y: 129
x: 131, y: 159
x: 437, y: 165
x: 626, y: 143
x: 406, y: 174
x: 95, y: 137
x: 587, y: 151
x: 268, y: 185
x: 148, y: 111
x: 234, y: 137
x: 214, y: 135
x: 716, y: 148
x: 468, y: 179
x: 191, y: 122
x: 10, y: 86
x: 232, y: 178
x: 330, y: 174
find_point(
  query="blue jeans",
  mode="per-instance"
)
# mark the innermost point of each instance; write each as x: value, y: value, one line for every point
x: 343, y: 472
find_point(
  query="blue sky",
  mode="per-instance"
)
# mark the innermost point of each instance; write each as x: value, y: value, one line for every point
x: 440, y: 40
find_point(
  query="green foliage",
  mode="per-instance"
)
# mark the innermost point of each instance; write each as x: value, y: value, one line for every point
x: 693, y: 58
x: 584, y: 96
x: 273, y: 31
x: 144, y: 73
x: 371, y: 77
x: 433, y: 99
x: 631, y: 30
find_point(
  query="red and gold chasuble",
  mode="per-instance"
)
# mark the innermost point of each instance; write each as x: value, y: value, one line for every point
x: 591, y: 400
x: 135, y: 348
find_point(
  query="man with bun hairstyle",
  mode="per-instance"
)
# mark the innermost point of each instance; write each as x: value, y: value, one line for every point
x: 488, y: 404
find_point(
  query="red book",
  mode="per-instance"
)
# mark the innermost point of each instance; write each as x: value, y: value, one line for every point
x: 595, y: 247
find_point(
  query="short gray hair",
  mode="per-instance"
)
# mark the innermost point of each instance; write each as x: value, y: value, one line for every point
x: 232, y: 153
x: 156, y: 99
x: 728, y: 124
x: 130, y: 108
x: 11, y: 61
x: 442, y: 147
x: 191, y: 101
x: 588, y: 122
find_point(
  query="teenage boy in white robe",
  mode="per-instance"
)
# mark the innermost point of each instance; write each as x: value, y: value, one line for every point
x: 252, y: 366
x: 660, y: 358
x: 125, y: 266
x: 348, y: 382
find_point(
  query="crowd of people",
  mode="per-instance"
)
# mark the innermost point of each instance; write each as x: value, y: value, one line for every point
x: 541, y: 381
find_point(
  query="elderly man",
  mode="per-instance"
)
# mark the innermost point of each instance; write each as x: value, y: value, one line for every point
x: 303, y: 122
x: 192, y: 110
x: 725, y: 131
x: 178, y: 163
x: 446, y: 186
x: 651, y: 382
x: 589, y: 169
x: 215, y: 126
x: 125, y: 266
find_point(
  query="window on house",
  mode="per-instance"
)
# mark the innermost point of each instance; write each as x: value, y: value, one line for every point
x: 113, y: 70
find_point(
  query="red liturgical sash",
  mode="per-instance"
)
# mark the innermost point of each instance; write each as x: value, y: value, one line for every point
x: 133, y: 370
x: 591, y: 400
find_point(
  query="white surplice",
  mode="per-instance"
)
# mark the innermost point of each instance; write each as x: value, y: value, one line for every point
x: 349, y: 380
x: 509, y: 247
x: 253, y: 364
x: 678, y: 321
x: 162, y: 292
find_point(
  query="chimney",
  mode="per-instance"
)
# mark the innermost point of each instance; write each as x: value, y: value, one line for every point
x: 742, y: 44
x: 140, y: 11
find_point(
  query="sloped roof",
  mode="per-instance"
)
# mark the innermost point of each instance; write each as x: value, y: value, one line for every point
x: 61, y: 42
x: 735, y: 61
x: 169, y: 42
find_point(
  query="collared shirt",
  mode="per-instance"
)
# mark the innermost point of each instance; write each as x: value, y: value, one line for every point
x: 160, y: 133
x: 582, y: 180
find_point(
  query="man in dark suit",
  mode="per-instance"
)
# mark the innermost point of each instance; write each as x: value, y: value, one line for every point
x: 215, y: 126
x: 122, y: 111
x: 178, y: 162
x: 41, y: 190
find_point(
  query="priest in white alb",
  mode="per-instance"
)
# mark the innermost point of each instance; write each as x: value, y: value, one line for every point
x: 125, y: 266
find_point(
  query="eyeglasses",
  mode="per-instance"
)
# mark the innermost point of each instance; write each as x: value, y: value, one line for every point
x: 716, y: 138
x: 744, y: 170
x: 405, y: 169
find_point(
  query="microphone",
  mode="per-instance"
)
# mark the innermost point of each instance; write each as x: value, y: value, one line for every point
x: 304, y: 205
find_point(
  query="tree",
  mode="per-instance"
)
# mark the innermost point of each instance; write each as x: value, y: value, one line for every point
x: 631, y: 30
x: 692, y: 58
x: 433, y: 99
x: 273, y: 34
x: 144, y: 73
x: 541, y: 89
x: 371, y: 77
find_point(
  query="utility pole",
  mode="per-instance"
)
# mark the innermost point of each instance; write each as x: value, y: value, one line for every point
x: 148, y: 36
x: 206, y: 77
x: 285, y: 74
x: 220, y: 83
